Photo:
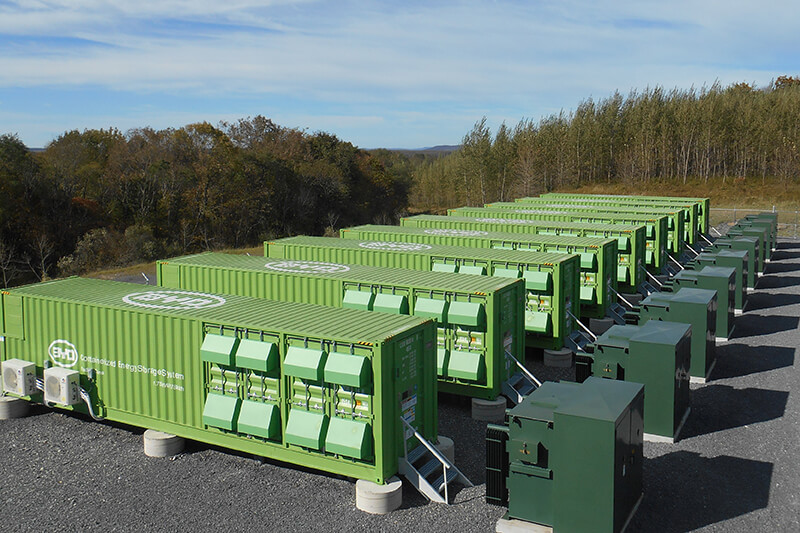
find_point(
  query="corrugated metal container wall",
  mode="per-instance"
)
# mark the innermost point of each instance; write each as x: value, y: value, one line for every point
x: 332, y: 284
x: 272, y: 379
x: 551, y: 280
x: 598, y: 255
x: 631, y: 238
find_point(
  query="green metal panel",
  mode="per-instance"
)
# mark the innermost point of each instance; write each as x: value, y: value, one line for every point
x: 598, y: 253
x: 398, y: 291
x: 657, y: 355
x: 467, y: 314
x: 659, y: 230
x: 503, y: 221
x: 720, y: 279
x: 218, y: 349
x: 305, y: 363
x: 13, y: 316
x: 466, y: 365
x: 259, y: 420
x: 564, y: 269
x: 138, y: 352
x: 350, y: 438
x: 349, y: 370
x: 575, y: 455
x: 475, y: 270
x: 255, y: 355
x: 697, y: 307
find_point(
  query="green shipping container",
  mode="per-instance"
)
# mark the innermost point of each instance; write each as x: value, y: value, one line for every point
x: 310, y: 385
x: 472, y: 355
x: 598, y: 255
x: 630, y: 239
x: 660, y: 222
x: 551, y: 280
x: 703, y: 211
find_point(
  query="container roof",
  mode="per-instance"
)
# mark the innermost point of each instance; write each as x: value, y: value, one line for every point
x: 555, y: 224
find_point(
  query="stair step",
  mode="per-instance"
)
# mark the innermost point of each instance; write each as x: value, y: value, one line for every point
x: 416, y: 453
x: 430, y: 467
x: 438, y: 484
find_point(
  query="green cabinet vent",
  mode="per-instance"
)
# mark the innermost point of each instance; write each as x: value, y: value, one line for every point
x: 358, y: 300
x: 466, y: 365
x: 430, y: 308
x: 624, y: 244
x: 259, y: 419
x: 444, y: 267
x: 218, y: 349
x: 475, y: 270
x: 306, y: 429
x: 588, y: 294
x: 395, y: 304
x: 221, y: 411
x: 538, y: 322
x: 588, y: 261
x: 470, y: 314
x: 623, y: 274
x: 442, y: 358
x: 506, y: 272
x: 536, y: 280
x: 257, y: 355
x: 304, y: 363
x: 348, y: 370
x: 350, y: 438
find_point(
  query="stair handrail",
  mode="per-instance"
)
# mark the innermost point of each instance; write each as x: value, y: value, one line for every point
x: 651, y: 277
x: 674, y: 260
x: 527, y: 373
x: 584, y: 328
x: 433, y: 450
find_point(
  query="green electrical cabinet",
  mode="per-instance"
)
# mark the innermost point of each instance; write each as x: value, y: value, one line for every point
x: 720, y: 279
x: 630, y: 239
x: 598, y: 254
x: 696, y: 307
x: 570, y: 456
x: 472, y: 347
x: 757, y: 232
x: 746, y: 244
x: 659, y: 221
x: 702, y: 212
x: 309, y: 385
x: 727, y: 258
x: 769, y: 219
x: 657, y: 355
x: 551, y: 280
x: 769, y: 225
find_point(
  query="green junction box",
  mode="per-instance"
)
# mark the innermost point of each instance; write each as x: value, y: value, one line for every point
x: 570, y: 456
x: 760, y: 233
x: 551, y: 280
x: 657, y: 355
x: 747, y: 244
x: 770, y: 227
x: 305, y: 384
x: 478, y: 318
x: 720, y: 279
x: 737, y: 259
x: 697, y: 307
x: 631, y: 239
x: 598, y: 255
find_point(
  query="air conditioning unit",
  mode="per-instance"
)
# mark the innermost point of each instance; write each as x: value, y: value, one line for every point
x: 19, y: 377
x: 61, y: 386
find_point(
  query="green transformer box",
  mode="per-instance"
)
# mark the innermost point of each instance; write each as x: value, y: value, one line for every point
x: 720, y: 279
x: 747, y: 244
x: 661, y: 234
x: 759, y: 233
x: 630, y: 239
x: 570, y: 456
x: 696, y: 307
x: 598, y: 255
x: 767, y: 218
x: 657, y: 355
x: 479, y: 319
x: 551, y: 280
x: 656, y: 241
x: 691, y: 211
x: 703, y: 211
x: 330, y: 389
x: 770, y: 232
x: 727, y: 258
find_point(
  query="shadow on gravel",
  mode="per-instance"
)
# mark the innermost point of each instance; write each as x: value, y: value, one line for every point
x: 685, y: 491
x: 762, y: 300
x: 777, y: 282
x: 757, y: 325
x: 735, y: 360
x: 720, y: 407
x: 780, y: 268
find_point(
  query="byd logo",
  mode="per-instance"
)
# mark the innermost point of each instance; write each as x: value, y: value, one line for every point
x: 63, y: 353
x: 307, y: 267
x: 173, y: 300
x: 394, y: 246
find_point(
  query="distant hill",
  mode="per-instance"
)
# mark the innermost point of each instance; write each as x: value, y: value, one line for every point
x: 441, y: 149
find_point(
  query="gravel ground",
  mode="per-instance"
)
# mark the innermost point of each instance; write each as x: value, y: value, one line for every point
x: 735, y: 469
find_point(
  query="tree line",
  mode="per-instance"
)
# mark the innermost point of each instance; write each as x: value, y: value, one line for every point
x: 101, y: 198
x: 735, y: 132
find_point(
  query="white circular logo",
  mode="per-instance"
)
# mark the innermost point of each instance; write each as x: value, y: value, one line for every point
x: 457, y: 232
x: 540, y: 211
x: 173, y: 300
x: 63, y: 353
x: 394, y: 246
x: 309, y: 267
x: 506, y: 220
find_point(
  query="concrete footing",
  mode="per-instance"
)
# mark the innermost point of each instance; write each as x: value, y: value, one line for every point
x: 563, y: 358
x: 600, y: 325
x: 489, y: 410
x: 13, y: 407
x: 447, y: 447
x: 158, y: 444
x: 511, y: 525
x: 379, y: 499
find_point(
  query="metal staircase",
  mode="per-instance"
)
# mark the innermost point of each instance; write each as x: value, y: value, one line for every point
x: 521, y: 383
x: 428, y: 470
x: 580, y: 337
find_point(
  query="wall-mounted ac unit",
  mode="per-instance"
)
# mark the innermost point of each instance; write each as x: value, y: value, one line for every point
x: 19, y: 377
x: 61, y: 386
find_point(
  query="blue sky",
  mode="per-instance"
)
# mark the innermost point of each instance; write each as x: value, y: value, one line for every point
x: 378, y: 74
